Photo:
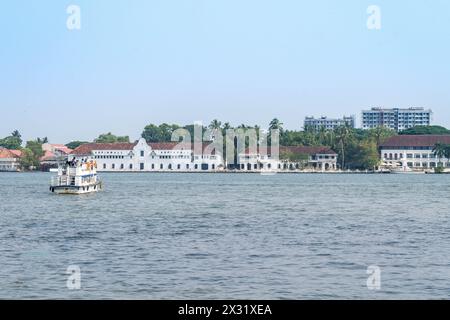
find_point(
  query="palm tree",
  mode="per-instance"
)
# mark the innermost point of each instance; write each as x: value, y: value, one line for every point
x: 215, y: 124
x: 16, y: 134
x: 342, y: 135
x: 322, y: 135
x: 447, y: 152
x: 380, y: 133
x: 439, y: 151
x: 276, y: 124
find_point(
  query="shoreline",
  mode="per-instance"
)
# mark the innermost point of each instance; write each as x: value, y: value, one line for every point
x: 249, y: 172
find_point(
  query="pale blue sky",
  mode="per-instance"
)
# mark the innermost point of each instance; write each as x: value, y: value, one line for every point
x: 246, y: 61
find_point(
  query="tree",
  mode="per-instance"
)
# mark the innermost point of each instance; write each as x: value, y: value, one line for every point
x: 161, y: 133
x: 35, y: 146
x: 343, y: 133
x: 75, y: 144
x: 12, y: 142
x: 276, y: 124
x: 16, y: 134
x: 42, y: 140
x: 439, y: 151
x: 425, y: 130
x: 111, y: 138
x: 380, y: 134
x: 215, y: 125
x: 28, y: 160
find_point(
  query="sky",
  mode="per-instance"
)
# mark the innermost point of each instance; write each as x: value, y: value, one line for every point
x: 135, y: 62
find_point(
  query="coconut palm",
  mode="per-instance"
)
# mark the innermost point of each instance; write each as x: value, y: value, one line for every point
x: 343, y: 133
x: 439, y: 151
x: 276, y: 124
x: 215, y: 124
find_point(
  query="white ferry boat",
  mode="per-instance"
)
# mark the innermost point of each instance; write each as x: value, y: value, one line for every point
x: 76, y: 177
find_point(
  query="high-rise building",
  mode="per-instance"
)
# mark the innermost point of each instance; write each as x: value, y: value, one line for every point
x: 327, y: 123
x: 396, y: 119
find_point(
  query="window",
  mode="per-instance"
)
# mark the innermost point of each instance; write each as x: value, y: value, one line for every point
x: 142, y: 153
x: 141, y: 166
x: 196, y: 167
x: 113, y: 166
x: 161, y: 166
x: 153, y: 166
x: 187, y: 166
x: 104, y: 166
x: 122, y: 166
x: 213, y: 166
x: 131, y: 166
x: 179, y: 166
x: 170, y: 167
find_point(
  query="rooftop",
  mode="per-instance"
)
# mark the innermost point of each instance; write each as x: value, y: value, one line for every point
x: 86, y: 149
x: 9, y: 154
x: 415, y: 140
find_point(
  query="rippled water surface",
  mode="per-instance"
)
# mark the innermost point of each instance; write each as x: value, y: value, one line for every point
x: 227, y: 236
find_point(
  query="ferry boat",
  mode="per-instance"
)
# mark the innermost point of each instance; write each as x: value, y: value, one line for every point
x: 76, y: 177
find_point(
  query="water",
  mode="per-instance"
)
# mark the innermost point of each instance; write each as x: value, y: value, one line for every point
x: 227, y: 236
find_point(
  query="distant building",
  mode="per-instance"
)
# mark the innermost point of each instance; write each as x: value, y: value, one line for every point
x: 396, y: 119
x: 53, y: 153
x: 317, y: 159
x: 151, y: 157
x: 413, y: 151
x: 10, y: 159
x: 328, y: 123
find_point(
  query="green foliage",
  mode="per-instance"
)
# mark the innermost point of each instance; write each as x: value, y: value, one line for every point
x: 75, y: 144
x: 439, y: 169
x: 161, y: 133
x: 436, y: 130
x: 362, y: 155
x: 29, y: 160
x: 14, y: 141
x: 110, y: 138
x: 293, y: 157
x: 35, y: 146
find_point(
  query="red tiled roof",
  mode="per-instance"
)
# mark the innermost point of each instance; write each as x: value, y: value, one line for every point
x: 62, y: 148
x: 47, y: 156
x: 415, y: 141
x: 7, y: 154
x: 297, y: 150
x: 86, y: 149
x: 18, y: 153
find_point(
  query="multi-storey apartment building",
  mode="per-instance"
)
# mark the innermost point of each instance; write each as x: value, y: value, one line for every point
x: 328, y: 123
x: 396, y: 119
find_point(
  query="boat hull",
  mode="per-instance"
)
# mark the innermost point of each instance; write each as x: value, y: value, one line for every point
x: 76, y: 189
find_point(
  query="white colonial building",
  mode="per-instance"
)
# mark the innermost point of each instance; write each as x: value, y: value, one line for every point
x: 151, y: 157
x: 289, y: 158
x: 413, y: 151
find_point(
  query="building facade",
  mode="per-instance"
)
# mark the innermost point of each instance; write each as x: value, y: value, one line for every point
x: 148, y: 157
x: 328, y: 123
x: 53, y: 154
x: 289, y: 158
x: 396, y: 119
x: 413, y: 151
x: 10, y: 160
